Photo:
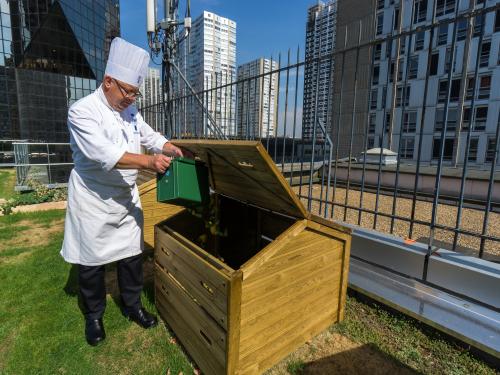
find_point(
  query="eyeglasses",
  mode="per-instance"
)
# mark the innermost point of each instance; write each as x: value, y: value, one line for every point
x: 128, y: 94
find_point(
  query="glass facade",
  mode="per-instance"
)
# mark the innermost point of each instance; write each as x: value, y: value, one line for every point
x: 52, y: 53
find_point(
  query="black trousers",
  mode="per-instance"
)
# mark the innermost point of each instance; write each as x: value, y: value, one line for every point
x: 93, y: 288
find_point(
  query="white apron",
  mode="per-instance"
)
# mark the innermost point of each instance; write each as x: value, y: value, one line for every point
x: 104, y: 220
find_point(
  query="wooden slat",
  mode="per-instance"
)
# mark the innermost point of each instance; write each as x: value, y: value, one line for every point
x: 192, y: 328
x: 281, y: 241
x: 174, y: 293
x: 268, y: 282
x: 186, y: 252
x: 213, y: 299
x: 221, y: 266
x: 234, y: 323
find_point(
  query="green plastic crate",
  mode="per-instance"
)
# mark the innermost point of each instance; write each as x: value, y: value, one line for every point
x: 185, y: 183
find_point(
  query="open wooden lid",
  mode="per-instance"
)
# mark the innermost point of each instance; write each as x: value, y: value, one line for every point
x: 243, y: 170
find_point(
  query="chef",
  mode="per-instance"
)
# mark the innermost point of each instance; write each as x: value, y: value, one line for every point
x: 104, y: 219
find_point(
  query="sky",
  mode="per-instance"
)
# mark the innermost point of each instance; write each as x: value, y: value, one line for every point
x: 262, y: 27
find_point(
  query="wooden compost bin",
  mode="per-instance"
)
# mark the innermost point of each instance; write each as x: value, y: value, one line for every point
x: 276, y: 278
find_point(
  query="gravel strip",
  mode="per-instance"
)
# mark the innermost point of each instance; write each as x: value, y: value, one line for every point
x: 471, y: 219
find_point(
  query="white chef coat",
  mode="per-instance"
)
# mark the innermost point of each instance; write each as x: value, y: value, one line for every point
x: 104, y: 220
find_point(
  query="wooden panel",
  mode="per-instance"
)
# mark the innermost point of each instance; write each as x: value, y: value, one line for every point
x: 195, y: 281
x: 248, y: 163
x: 288, y: 299
x: 202, y: 337
x: 290, y: 341
x: 333, y: 229
x: 260, y: 307
x: 153, y: 211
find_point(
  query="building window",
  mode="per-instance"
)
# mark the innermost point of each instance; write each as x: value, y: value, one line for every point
x: 478, y: 25
x: 373, y: 123
x: 434, y: 63
x: 377, y: 51
x: 413, y: 68
x: 447, y: 61
x: 403, y: 92
x: 387, y: 122
x: 443, y: 91
x: 380, y: 4
x: 407, y: 147
x: 479, y: 120
x: 461, y: 30
x: 470, y: 88
x: 371, y: 143
x: 375, y: 75
x: 396, y: 18
x: 485, y: 54
x: 373, y: 99
x: 402, y: 45
x: 400, y: 71
x: 497, y: 20
x: 380, y: 23
x: 444, y: 7
x: 419, y: 41
x: 451, y: 123
x: 442, y: 35
x: 454, y: 92
x: 410, y: 122
x: 448, y: 149
x: 490, y: 150
x: 473, y: 146
x: 420, y: 14
x: 484, y: 87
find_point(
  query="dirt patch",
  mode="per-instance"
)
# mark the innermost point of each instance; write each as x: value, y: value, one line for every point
x: 41, y: 207
x: 332, y: 353
x: 36, y: 234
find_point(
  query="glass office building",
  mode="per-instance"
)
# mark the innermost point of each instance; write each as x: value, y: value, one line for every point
x: 52, y: 53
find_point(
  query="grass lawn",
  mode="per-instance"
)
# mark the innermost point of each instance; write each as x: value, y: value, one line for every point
x: 7, y: 183
x: 41, y: 330
x: 41, y: 327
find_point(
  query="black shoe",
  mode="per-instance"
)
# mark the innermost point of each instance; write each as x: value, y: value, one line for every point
x: 142, y: 317
x: 94, y: 331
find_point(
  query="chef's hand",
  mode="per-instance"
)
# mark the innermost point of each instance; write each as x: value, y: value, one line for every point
x: 159, y: 163
x: 170, y: 149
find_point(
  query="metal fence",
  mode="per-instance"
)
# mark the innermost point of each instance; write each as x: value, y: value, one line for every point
x: 446, y: 196
x: 46, y: 163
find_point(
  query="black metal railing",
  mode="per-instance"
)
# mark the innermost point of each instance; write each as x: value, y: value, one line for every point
x: 445, y: 193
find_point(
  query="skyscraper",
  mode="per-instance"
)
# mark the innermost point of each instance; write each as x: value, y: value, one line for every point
x: 257, y: 99
x: 151, y: 99
x: 402, y: 66
x: 318, y: 74
x: 208, y: 59
x: 52, y: 53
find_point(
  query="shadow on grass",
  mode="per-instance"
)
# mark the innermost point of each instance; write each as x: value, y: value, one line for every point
x: 366, y: 359
x: 71, y: 287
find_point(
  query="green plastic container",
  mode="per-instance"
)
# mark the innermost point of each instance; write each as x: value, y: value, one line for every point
x: 185, y: 183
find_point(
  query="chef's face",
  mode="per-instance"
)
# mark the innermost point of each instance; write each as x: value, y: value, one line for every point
x: 119, y: 94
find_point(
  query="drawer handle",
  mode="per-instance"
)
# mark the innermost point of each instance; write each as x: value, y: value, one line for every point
x: 245, y: 164
x: 164, y: 289
x: 206, y: 338
x: 165, y: 251
x: 207, y: 288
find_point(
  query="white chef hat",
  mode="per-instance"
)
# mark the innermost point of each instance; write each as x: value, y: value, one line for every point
x: 127, y: 62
